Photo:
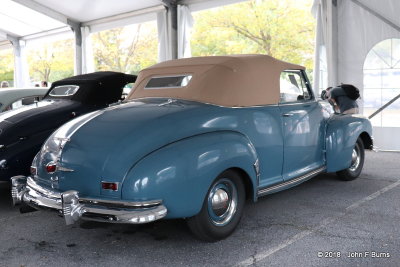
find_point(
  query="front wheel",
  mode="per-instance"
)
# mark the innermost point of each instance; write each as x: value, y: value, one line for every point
x: 357, y: 163
x: 222, y: 208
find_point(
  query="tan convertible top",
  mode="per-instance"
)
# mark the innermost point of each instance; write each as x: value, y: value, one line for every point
x: 232, y: 81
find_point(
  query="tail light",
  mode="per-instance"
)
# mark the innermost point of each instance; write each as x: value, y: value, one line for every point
x: 109, y: 186
x: 51, y: 167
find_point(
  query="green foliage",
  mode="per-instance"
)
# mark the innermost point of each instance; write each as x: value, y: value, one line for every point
x: 51, y: 61
x: 6, y: 65
x: 283, y: 29
x: 127, y: 49
x: 7, y: 76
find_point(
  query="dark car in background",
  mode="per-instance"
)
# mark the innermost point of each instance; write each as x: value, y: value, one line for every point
x: 24, y: 130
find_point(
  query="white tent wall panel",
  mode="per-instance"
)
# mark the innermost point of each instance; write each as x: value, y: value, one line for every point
x: 358, y: 32
x: 164, y: 43
x: 185, y: 25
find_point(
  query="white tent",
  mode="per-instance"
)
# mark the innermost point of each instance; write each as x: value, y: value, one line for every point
x: 24, y: 21
x: 358, y: 42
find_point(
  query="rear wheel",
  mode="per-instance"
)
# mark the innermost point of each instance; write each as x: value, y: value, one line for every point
x: 357, y: 163
x: 222, y: 208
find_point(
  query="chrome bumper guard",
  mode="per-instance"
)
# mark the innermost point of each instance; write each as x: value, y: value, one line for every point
x: 72, y: 207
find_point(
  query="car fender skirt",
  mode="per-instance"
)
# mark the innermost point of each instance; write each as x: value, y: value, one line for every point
x: 182, y: 172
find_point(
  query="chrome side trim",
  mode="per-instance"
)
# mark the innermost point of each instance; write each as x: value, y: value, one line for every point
x: 305, y: 102
x: 206, y: 103
x: 256, y: 167
x: 64, y: 169
x: 169, y: 101
x: 299, y: 179
x: 142, y: 204
x: 3, y: 164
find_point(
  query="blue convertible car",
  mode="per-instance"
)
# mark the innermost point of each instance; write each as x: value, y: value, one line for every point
x: 195, y: 139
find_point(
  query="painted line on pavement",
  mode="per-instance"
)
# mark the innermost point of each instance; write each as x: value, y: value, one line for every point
x: 262, y: 255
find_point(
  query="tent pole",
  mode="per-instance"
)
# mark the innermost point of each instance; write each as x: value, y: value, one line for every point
x: 76, y: 28
x: 172, y: 14
x: 21, y: 72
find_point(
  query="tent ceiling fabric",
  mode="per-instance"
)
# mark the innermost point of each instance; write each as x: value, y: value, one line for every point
x: 86, y: 10
x: 387, y: 8
x: 29, y: 19
x: 17, y: 19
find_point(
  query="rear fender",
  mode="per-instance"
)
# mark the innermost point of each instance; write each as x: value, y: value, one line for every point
x: 341, y: 136
x: 181, y: 173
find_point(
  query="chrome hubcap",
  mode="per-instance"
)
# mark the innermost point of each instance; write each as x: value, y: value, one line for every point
x: 222, y: 202
x: 355, y: 159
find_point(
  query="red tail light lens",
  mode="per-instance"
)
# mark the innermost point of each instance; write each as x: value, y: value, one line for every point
x: 109, y: 186
x: 51, y: 167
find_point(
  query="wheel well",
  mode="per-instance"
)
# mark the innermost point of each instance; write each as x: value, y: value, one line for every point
x: 248, y: 185
x: 367, y: 140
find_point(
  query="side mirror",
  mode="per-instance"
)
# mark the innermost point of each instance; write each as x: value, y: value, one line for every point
x: 323, y: 95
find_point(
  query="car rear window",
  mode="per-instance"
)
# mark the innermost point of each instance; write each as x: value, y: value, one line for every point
x: 165, y: 82
x: 64, y: 90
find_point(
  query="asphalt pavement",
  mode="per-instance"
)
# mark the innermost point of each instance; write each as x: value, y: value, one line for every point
x: 322, y: 222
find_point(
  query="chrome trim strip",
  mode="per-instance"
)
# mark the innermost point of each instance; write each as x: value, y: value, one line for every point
x: 256, y: 167
x: 3, y: 164
x: 126, y: 204
x: 169, y: 101
x: 305, y: 102
x: 191, y: 100
x: 64, y: 169
x: 306, y: 176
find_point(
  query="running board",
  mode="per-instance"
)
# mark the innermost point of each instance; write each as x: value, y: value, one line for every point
x: 271, y: 189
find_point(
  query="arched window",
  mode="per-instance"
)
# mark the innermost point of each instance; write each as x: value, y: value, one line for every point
x: 382, y: 83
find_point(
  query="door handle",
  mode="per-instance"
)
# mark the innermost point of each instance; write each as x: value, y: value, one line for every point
x: 287, y: 114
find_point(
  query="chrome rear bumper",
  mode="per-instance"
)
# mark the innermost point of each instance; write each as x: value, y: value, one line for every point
x: 72, y: 207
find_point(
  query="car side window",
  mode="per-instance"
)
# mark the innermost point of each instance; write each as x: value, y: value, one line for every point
x: 293, y: 87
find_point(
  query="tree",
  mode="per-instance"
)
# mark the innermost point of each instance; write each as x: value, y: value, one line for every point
x: 127, y: 49
x: 6, y: 65
x: 51, y: 61
x: 283, y: 29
